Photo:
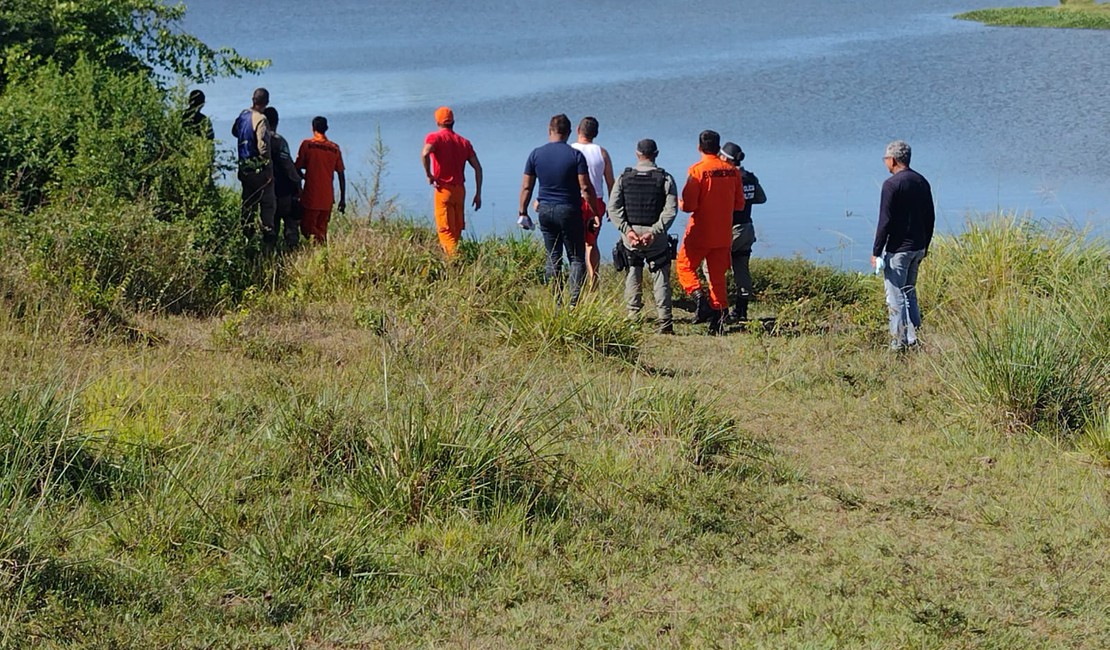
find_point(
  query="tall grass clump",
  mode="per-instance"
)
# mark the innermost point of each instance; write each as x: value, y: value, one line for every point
x: 1036, y: 369
x: 594, y: 326
x: 45, y: 456
x: 429, y: 458
x: 706, y: 437
x: 1029, y: 316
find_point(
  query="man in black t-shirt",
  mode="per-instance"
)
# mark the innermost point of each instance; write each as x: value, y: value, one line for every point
x: 287, y: 184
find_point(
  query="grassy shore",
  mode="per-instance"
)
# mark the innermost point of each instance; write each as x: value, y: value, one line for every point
x: 1075, y: 15
x: 378, y: 449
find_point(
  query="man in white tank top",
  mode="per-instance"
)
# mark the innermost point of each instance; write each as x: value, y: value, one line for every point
x: 601, y: 172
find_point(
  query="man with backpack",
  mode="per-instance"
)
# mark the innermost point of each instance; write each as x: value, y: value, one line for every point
x: 256, y: 170
x: 643, y: 206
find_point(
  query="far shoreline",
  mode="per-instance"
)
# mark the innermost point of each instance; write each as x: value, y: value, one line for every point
x: 1086, y: 15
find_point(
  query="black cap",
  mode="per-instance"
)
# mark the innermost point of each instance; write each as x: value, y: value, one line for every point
x: 733, y: 152
x: 647, y: 147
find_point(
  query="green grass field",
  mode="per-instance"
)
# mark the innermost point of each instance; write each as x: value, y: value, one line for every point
x: 1075, y: 15
x: 378, y: 449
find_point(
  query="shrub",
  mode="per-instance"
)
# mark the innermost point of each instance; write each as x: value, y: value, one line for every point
x: 109, y: 201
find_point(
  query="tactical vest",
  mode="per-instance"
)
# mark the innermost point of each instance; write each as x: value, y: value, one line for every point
x: 644, y: 195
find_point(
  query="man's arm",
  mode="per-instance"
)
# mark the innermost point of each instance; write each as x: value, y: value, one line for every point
x: 262, y: 134
x: 477, y: 166
x: 285, y: 162
x: 301, y: 164
x: 526, y: 187
x: 616, y: 207
x: 587, y: 189
x: 426, y: 159
x: 690, y: 194
x: 760, y: 197
x: 608, y: 170
x: 882, y: 231
x: 342, y: 190
x: 670, y: 208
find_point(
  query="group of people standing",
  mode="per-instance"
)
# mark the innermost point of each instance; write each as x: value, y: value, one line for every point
x: 289, y: 197
x: 575, y: 188
x: 575, y: 179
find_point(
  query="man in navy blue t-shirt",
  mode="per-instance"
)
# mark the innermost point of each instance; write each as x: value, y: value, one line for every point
x: 564, y: 181
x: 906, y: 219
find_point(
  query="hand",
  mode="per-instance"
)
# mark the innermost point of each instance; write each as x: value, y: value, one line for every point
x: 595, y: 224
x: 647, y: 238
x: 633, y: 238
x: 477, y: 202
x: 342, y: 205
x: 431, y: 180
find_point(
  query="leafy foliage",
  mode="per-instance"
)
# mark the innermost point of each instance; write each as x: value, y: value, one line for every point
x: 124, y: 35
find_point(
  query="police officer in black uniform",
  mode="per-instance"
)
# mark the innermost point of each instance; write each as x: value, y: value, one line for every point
x: 743, y: 232
x: 643, y: 206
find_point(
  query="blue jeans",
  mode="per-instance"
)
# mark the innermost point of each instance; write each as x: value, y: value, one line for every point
x: 900, y: 278
x: 562, y: 227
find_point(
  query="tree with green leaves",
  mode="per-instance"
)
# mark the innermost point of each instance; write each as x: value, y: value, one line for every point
x: 123, y: 35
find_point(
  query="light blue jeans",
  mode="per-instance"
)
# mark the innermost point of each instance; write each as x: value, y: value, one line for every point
x: 900, y: 278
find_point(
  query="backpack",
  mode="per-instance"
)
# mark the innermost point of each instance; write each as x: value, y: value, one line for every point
x: 244, y: 131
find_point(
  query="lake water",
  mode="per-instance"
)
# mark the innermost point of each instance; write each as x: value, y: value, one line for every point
x: 812, y: 90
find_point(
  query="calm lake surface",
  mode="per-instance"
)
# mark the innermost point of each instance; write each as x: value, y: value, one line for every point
x: 812, y: 90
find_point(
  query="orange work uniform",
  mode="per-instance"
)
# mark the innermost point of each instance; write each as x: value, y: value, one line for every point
x: 449, y: 154
x: 320, y: 158
x: 713, y: 191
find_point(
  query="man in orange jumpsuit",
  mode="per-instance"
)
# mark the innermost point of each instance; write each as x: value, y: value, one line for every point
x: 713, y: 191
x: 319, y: 159
x: 444, y: 156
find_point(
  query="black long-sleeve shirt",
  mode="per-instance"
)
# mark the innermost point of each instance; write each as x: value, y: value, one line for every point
x: 906, y: 214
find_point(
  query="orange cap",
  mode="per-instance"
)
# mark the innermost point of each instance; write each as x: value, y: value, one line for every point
x: 444, y: 115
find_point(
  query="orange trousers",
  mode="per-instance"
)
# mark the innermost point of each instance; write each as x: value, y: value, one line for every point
x: 314, y: 224
x: 717, y: 259
x: 450, y: 201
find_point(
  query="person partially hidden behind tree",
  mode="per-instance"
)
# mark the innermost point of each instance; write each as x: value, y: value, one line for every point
x: 287, y: 184
x: 195, y: 121
x: 256, y: 170
x: 643, y: 206
x: 743, y: 232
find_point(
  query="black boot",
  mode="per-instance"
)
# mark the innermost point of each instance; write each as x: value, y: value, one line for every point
x: 702, y: 312
x: 739, y: 310
x: 716, y: 322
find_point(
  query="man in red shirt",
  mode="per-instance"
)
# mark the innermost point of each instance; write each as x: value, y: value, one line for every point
x: 320, y: 158
x: 713, y: 191
x: 444, y: 156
